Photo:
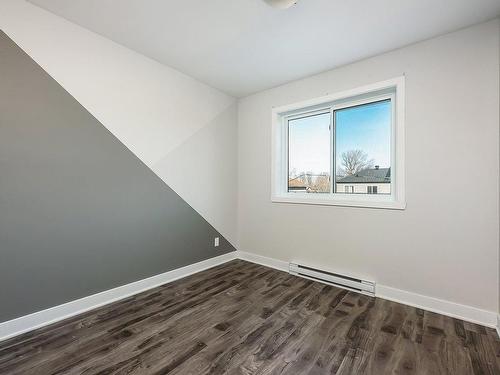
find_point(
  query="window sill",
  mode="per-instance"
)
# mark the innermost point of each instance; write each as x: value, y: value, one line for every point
x: 388, y: 204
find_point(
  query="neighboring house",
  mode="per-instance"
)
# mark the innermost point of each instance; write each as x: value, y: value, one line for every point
x: 297, y: 185
x: 309, y: 183
x: 368, y: 181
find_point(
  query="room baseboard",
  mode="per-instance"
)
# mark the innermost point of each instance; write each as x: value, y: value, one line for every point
x: 51, y: 315
x: 498, y: 325
x: 454, y: 310
x: 280, y: 265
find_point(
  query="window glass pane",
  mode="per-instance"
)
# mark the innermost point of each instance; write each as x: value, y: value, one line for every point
x: 363, y: 148
x: 309, y: 154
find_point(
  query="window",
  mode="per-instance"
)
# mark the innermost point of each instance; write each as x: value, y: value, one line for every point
x: 348, y: 189
x: 345, y: 149
x: 308, y: 153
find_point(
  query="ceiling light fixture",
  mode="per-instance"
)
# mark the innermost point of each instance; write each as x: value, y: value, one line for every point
x: 281, y: 4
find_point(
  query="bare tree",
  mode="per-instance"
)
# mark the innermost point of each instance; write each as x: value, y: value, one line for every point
x: 308, y: 178
x: 354, y: 161
x: 322, y: 183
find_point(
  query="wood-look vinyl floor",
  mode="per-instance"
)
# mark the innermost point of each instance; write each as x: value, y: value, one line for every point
x: 243, y: 318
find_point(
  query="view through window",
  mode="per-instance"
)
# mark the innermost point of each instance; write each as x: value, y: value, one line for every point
x: 309, y: 154
x: 346, y: 149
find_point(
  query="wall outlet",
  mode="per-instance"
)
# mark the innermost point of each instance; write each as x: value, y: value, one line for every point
x: 216, y: 241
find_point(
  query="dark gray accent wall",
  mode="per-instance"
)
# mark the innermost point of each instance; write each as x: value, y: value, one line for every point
x: 79, y: 212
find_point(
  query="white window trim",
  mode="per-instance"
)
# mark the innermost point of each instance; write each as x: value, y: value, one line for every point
x: 279, y: 178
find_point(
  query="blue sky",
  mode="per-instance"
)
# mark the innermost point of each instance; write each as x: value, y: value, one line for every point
x: 366, y: 127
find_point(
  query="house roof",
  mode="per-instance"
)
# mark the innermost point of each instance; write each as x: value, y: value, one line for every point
x: 296, y: 183
x: 371, y: 175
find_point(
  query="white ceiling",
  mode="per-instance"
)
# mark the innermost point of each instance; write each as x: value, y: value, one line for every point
x: 245, y: 46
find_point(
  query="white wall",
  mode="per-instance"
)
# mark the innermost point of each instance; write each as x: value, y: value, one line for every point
x: 445, y: 244
x: 182, y: 129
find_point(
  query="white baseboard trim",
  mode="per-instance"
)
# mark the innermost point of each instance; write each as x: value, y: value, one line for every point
x: 455, y: 310
x: 280, y: 265
x: 51, y: 315
x: 498, y: 325
x: 452, y: 309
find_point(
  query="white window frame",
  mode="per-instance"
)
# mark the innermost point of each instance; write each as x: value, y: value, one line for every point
x: 391, y: 89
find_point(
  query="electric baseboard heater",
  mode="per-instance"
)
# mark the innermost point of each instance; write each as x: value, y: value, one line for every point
x: 335, y: 279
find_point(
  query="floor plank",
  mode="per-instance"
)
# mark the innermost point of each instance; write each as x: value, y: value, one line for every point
x: 243, y: 318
